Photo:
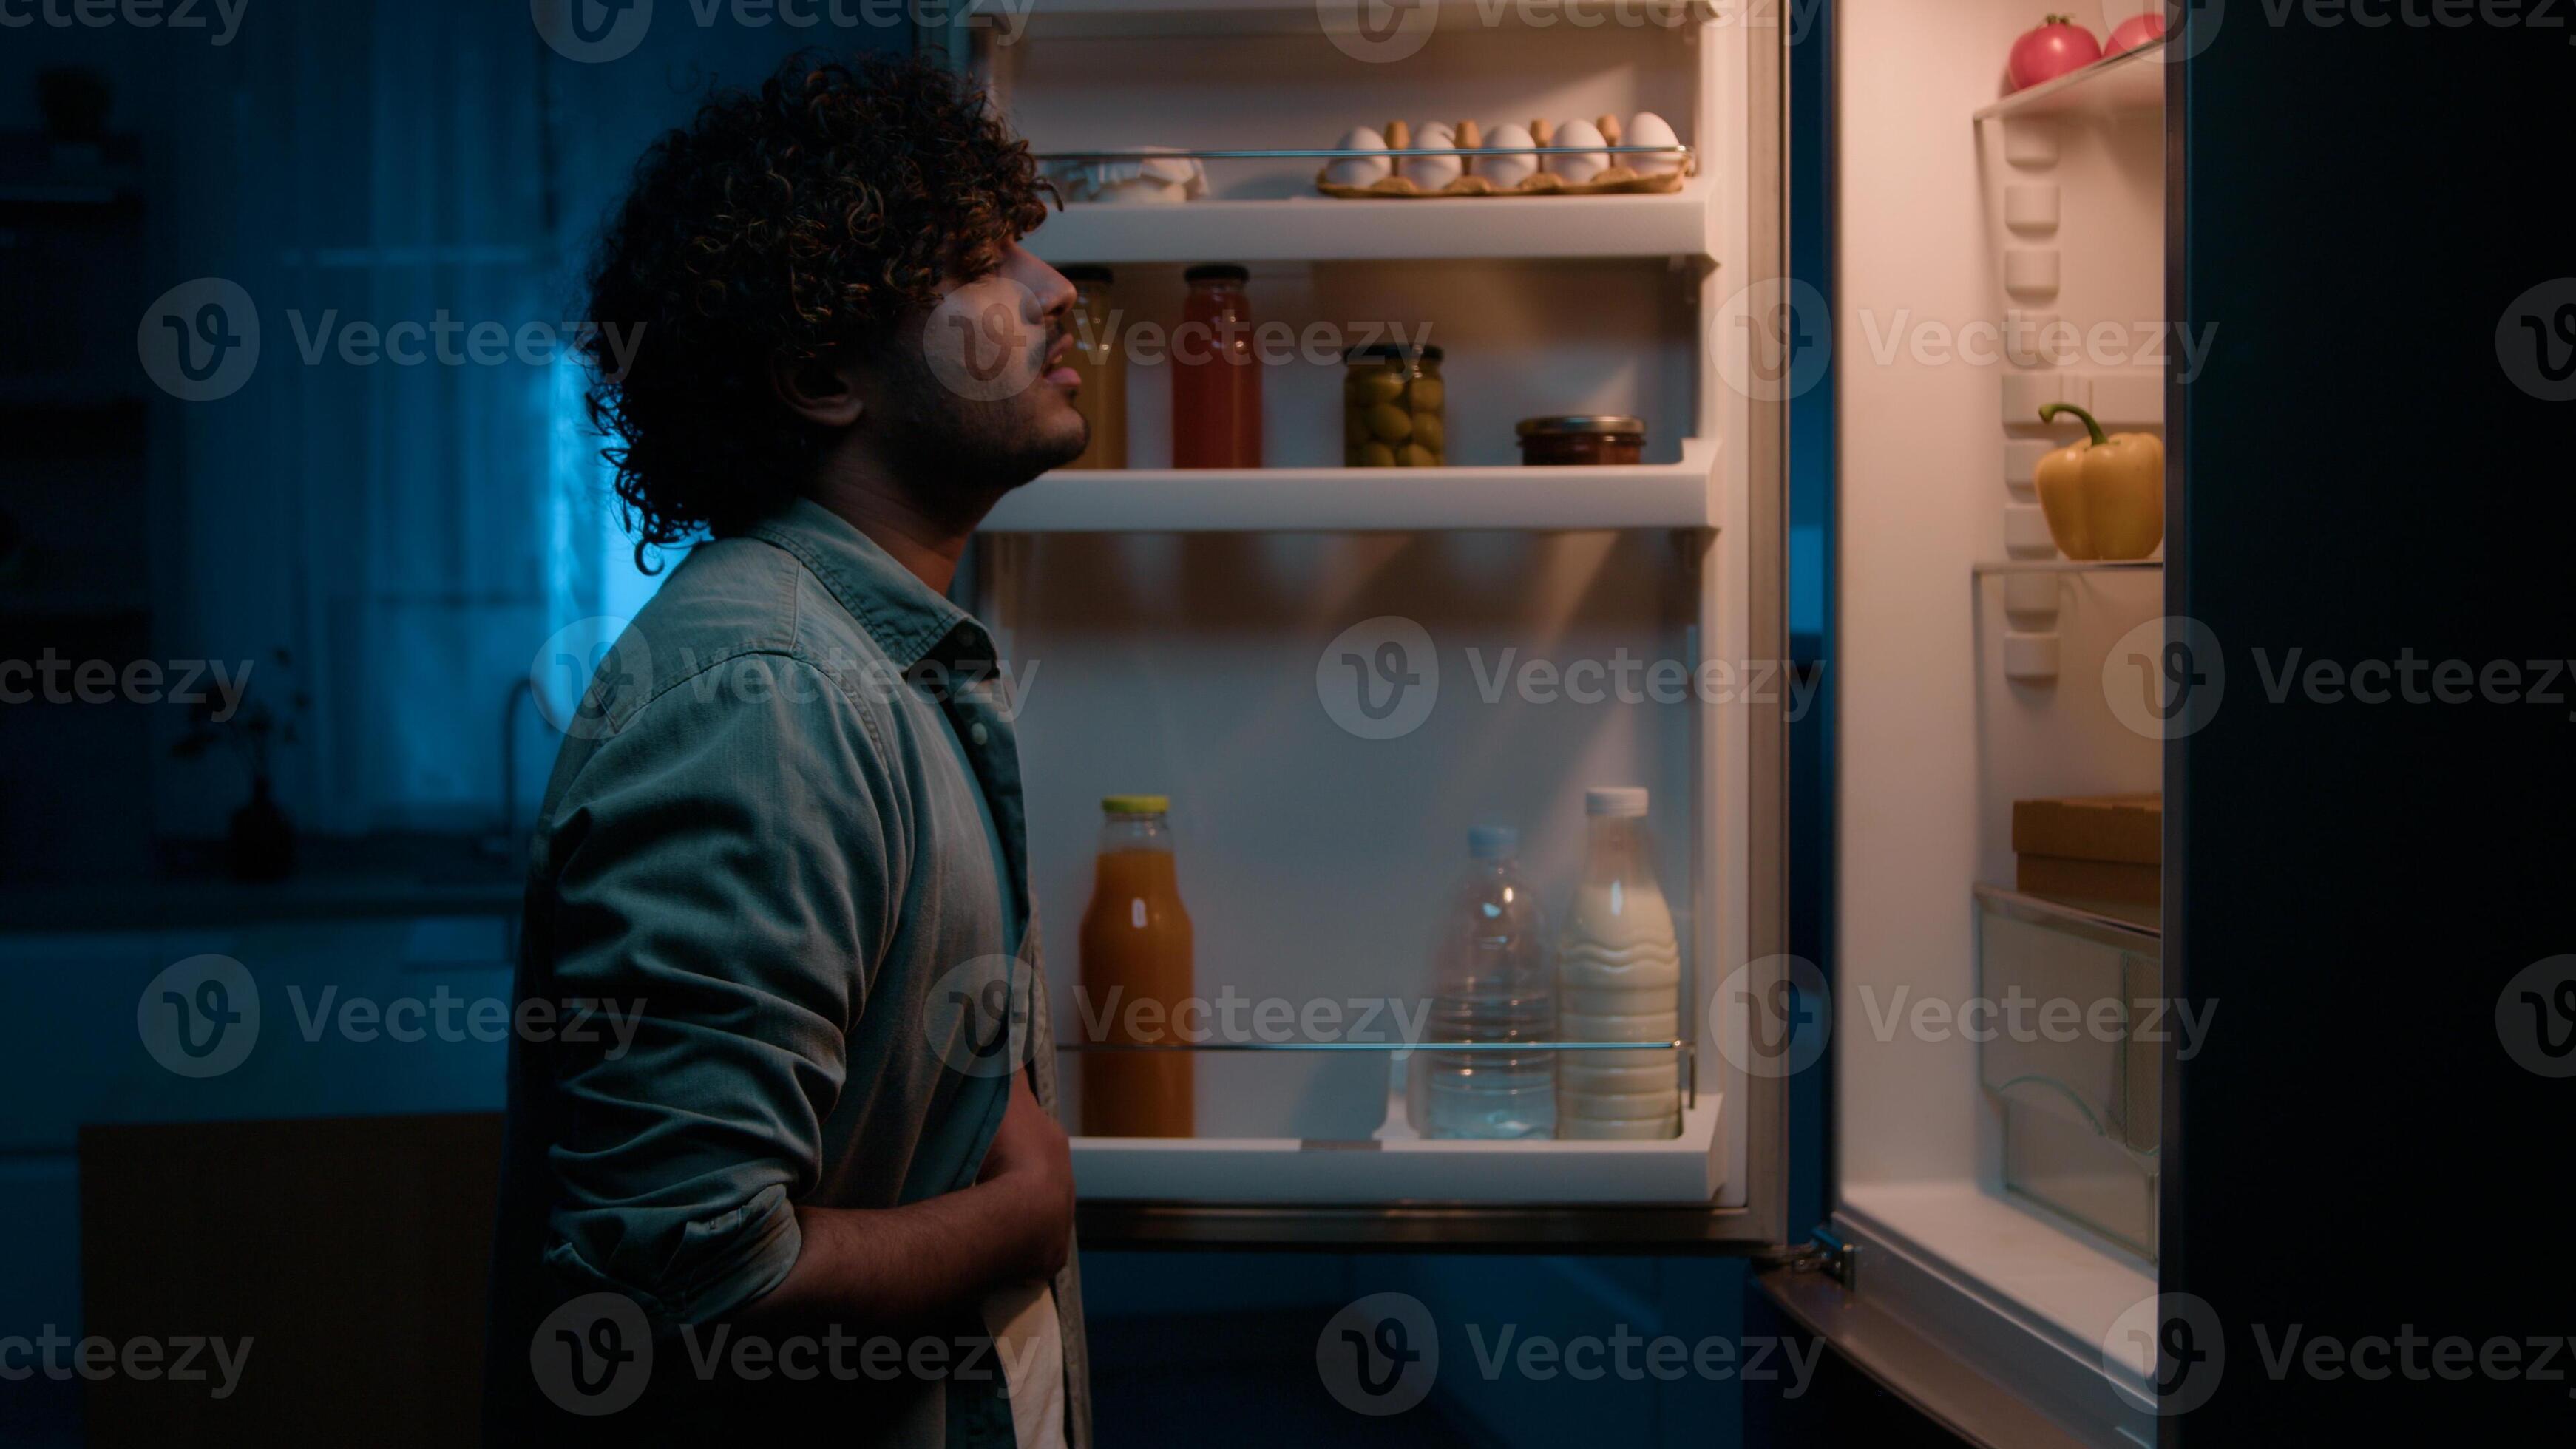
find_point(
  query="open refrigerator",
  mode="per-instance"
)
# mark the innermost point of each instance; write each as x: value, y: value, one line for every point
x: 1992, y: 1204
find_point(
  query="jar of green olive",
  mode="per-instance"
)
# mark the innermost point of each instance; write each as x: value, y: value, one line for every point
x: 1391, y: 407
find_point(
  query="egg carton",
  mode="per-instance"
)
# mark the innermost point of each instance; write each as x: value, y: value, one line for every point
x: 1614, y: 179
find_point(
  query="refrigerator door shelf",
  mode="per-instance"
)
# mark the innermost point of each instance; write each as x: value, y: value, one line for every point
x: 1683, y: 494
x: 1683, y: 1169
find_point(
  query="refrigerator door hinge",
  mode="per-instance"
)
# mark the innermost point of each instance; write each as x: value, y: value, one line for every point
x: 1826, y: 1253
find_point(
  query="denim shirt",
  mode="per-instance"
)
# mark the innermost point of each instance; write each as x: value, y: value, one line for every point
x: 763, y: 840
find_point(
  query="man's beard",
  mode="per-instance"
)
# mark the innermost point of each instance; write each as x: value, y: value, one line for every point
x: 964, y: 452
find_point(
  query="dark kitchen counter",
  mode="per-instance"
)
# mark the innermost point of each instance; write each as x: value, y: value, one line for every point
x: 336, y: 879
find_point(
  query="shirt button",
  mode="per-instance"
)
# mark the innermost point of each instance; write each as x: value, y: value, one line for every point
x: 978, y: 733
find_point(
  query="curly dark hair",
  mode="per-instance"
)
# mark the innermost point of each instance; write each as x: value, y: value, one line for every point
x: 791, y: 223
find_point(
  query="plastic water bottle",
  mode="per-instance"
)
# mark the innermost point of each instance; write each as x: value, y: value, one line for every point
x: 1491, y: 981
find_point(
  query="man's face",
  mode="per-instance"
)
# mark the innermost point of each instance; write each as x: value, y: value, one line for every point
x: 981, y: 396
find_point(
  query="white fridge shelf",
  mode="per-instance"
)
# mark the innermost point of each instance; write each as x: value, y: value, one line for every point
x: 2130, y: 83
x: 1364, y: 500
x: 1326, y: 229
x: 1390, y: 1168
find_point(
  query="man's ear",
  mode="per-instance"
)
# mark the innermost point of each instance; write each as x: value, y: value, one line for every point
x: 819, y: 392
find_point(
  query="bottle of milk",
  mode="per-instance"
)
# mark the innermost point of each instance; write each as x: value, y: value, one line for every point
x: 1618, y: 978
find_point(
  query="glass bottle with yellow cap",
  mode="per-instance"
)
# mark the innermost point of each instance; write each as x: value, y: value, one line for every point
x: 1135, y: 975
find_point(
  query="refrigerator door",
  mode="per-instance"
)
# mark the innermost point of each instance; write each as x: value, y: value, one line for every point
x: 1335, y: 668
x: 1991, y: 1187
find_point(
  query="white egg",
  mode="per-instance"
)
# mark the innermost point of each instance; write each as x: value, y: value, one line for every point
x: 1360, y: 170
x: 1507, y: 170
x: 1648, y: 129
x: 1577, y: 169
x: 1434, y: 172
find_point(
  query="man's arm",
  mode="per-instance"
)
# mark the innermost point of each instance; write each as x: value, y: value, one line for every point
x: 901, y: 1265
x: 729, y: 862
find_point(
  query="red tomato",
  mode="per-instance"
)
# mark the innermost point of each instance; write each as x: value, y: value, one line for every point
x: 2135, y: 31
x: 2057, y: 47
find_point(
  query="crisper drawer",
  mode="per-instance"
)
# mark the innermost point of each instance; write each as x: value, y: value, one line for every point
x: 1283, y: 1127
x: 2073, y: 1058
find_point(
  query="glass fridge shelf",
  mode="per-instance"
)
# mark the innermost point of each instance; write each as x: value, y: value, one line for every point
x: 1986, y: 567
x: 1685, y: 1051
x: 2129, y: 84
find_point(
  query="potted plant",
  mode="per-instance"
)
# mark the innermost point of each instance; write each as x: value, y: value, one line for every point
x: 261, y: 843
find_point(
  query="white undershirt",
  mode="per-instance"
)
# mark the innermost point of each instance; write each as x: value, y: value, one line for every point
x: 1030, y: 1342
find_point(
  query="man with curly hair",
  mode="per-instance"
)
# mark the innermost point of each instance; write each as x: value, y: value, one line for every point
x: 817, y: 1181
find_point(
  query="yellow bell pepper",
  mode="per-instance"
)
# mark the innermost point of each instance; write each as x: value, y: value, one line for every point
x: 2104, y: 497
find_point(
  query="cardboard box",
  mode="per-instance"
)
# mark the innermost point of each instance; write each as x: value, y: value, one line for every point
x: 2091, y: 848
x: 2061, y: 878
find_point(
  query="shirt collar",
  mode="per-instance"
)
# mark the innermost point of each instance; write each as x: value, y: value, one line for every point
x: 890, y: 601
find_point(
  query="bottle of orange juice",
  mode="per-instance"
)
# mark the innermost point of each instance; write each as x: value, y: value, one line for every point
x: 1135, y: 949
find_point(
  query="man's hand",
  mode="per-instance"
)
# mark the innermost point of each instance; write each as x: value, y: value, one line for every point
x: 886, y: 1268
x: 1032, y: 1162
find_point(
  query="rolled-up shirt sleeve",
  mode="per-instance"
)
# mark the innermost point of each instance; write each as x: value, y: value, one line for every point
x: 721, y: 877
